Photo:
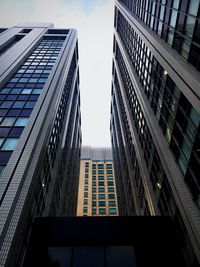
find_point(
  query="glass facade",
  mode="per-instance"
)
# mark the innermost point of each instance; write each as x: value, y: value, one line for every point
x: 19, y: 95
x: 176, y: 22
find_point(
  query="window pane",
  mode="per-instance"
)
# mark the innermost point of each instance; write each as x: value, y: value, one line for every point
x: 21, y: 121
x: 193, y: 7
x: 10, y: 144
x: 1, y: 141
x: 8, y: 121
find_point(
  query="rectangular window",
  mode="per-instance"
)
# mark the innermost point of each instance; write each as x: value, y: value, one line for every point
x: 101, y: 196
x: 112, y: 203
x: 102, y: 203
x: 102, y: 211
x: 112, y: 211
x: 21, y: 121
x: 10, y: 144
x: 8, y: 121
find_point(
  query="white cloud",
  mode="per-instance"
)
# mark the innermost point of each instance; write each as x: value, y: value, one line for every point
x: 95, y: 34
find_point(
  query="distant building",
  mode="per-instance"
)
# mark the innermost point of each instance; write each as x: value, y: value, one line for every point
x: 97, y: 192
x: 40, y: 135
x: 155, y: 113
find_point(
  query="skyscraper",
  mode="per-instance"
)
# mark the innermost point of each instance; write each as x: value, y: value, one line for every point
x: 97, y: 190
x: 155, y: 113
x: 40, y: 135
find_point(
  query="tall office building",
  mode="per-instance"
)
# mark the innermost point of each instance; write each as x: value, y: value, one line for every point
x: 155, y: 113
x: 97, y: 191
x: 40, y: 136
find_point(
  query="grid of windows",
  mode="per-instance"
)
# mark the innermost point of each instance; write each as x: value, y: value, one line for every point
x: 176, y: 22
x: 19, y: 95
x: 177, y: 118
x: 160, y: 183
x: 102, y: 187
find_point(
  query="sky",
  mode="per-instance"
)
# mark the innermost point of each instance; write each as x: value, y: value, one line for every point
x: 94, y: 21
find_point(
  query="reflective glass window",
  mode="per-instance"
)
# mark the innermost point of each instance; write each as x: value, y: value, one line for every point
x: 21, y: 121
x: 10, y: 144
x: 8, y: 121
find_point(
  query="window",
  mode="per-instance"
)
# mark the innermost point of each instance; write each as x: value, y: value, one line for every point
x: 111, y: 189
x: 100, y: 166
x: 112, y: 203
x: 8, y: 121
x: 85, y: 209
x: 102, y: 211
x: 102, y: 203
x: 21, y: 121
x: 100, y: 177
x: 101, y: 183
x: 101, y: 190
x: 85, y: 202
x: 109, y: 171
x: 101, y: 196
x: 94, y: 203
x: 86, y: 175
x: 86, y: 188
x: 86, y: 181
x: 85, y: 194
x: 111, y: 196
x: 1, y: 141
x: 112, y: 210
x: 110, y: 177
x: 10, y: 144
x: 94, y: 211
x: 193, y: 7
x: 94, y: 196
x: 108, y: 166
x: 100, y: 171
x: 110, y: 183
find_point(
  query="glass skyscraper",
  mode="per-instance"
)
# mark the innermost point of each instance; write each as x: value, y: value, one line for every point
x: 155, y: 113
x: 40, y: 134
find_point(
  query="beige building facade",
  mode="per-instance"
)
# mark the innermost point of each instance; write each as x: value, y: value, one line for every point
x: 97, y: 191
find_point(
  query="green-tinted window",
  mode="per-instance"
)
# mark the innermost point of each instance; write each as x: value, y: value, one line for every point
x: 112, y: 210
x: 102, y: 203
x: 85, y: 194
x: 101, y: 190
x: 101, y: 196
x: 100, y: 166
x: 94, y: 190
x: 102, y: 211
x: 93, y: 166
x: 111, y: 189
x: 94, y: 196
x: 85, y: 209
x: 109, y: 171
x: 111, y: 196
x: 110, y: 183
x: 112, y: 203
x: 94, y: 211
x: 86, y: 170
x: 86, y: 188
x: 94, y: 177
x: 94, y: 203
x: 110, y: 177
x: 108, y: 166
x: 85, y: 202
x: 86, y: 181
x: 93, y: 171
x: 94, y: 183
x: 86, y: 175
x: 100, y: 171
x: 101, y: 183
x: 100, y: 177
